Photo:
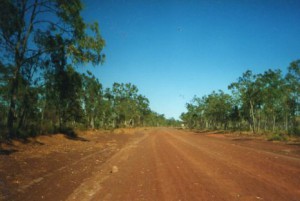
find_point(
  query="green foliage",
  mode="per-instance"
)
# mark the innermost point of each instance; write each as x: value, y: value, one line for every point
x: 212, y: 111
x: 128, y: 107
x: 277, y: 137
x: 249, y: 96
x: 266, y: 102
x: 37, y: 37
x: 92, y: 98
x: 41, y: 43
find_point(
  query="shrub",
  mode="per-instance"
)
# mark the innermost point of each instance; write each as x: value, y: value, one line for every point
x: 277, y: 137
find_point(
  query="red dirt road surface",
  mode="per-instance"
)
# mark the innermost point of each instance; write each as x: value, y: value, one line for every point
x: 156, y: 164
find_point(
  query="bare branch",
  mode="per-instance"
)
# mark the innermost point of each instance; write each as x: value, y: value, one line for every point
x: 46, y: 50
x: 32, y: 17
x: 8, y: 41
x: 39, y: 4
x: 43, y: 11
x: 53, y: 24
x: 49, y: 8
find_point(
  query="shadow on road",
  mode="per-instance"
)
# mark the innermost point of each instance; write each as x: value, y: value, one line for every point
x: 70, y: 134
x: 7, y: 151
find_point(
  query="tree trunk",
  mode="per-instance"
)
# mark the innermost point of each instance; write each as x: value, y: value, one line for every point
x: 92, y: 122
x: 21, y: 119
x: 274, y: 123
x: 286, y: 123
x: 12, y: 106
x: 265, y: 126
x: 252, y: 117
x: 20, y: 49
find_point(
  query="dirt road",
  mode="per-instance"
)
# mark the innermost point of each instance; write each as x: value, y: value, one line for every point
x: 169, y: 164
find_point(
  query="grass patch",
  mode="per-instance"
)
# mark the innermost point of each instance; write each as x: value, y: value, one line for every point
x: 277, y: 137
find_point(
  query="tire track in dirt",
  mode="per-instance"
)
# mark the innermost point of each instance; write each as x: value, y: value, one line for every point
x: 279, y: 166
x: 55, y: 172
x: 238, y: 178
x: 184, y: 166
x: 249, y: 160
x: 155, y: 171
x: 65, y: 164
x: 91, y: 186
x: 168, y: 164
x: 181, y: 178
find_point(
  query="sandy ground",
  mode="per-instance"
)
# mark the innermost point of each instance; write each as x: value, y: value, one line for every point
x: 150, y: 164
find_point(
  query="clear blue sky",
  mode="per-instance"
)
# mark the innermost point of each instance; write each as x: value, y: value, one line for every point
x: 173, y: 50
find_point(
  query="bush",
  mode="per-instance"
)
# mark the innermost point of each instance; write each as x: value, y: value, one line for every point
x: 277, y: 137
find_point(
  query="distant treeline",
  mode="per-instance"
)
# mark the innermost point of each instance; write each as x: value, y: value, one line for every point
x: 268, y: 102
x: 68, y: 100
x: 41, y: 44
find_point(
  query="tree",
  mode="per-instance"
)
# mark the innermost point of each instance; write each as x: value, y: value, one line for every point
x: 91, y: 95
x: 5, y: 73
x: 273, y: 95
x: 27, y: 29
x: 63, y: 96
x: 249, y: 93
x: 194, y: 117
x: 128, y: 105
x: 212, y: 111
x: 217, y: 108
x: 293, y: 101
x: 267, y: 101
x: 141, y: 111
x: 154, y: 119
x: 235, y: 117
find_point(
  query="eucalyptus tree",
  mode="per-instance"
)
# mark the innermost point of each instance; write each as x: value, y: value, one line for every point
x: 108, y: 111
x: 217, y: 110
x: 155, y: 119
x: 5, y: 73
x: 27, y: 30
x: 63, y: 98
x: 92, y: 96
x: 272, y: 87
x: 194, y: 117
x: 128, y: 104
x: 293, y: 102
x: 141, y: 111
x: 249, y: 93
x: 267, y: 101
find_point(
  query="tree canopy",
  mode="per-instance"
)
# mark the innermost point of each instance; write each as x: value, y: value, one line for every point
x: 259, y: 102
x: 42, y: 43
